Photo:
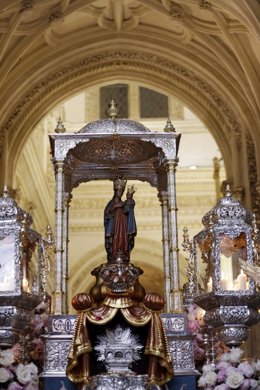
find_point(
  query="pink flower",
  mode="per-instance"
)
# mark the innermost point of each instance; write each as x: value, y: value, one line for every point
x: 4, y: 375
x: 223, y: 386
x: 193, y: 326
x: 231, y: 374
x: 222, y: 365
x: 199, y: 337
x: 222, y: 375
x: 245, y: 385
x: 253, y: 384
x: 15, y: 386
x: 246, y: 369
x: 38, y: 323
x: 199, y: 353
x: 32, y: 386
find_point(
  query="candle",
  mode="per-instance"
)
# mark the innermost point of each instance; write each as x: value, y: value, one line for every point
x: 25, y: 285
x: 241, y: 280
x: 209, y: 285
x: 223, y: 282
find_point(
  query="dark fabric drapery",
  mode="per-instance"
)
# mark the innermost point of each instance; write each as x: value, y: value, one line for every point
x: 156, y: 346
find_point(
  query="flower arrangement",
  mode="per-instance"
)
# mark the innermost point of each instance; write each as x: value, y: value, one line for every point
x: 195, y: 326
x: 231, y: 373
x: 15, y: 375
x: 39, y: 326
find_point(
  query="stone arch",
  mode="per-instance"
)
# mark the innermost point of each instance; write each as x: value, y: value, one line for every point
x: 207, y: 69
x: 200, y: 101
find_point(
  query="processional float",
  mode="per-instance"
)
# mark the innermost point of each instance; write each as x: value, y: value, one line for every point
x: 118, y: 150
x: 124, y: 337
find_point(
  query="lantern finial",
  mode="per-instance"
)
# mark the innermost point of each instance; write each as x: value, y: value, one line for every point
x: 60, y: 128
x: 169, y: 128
x: 228, y: 191
x: 112, y: 111
x: 5, y: 191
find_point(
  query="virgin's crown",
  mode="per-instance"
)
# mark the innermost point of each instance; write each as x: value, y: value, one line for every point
x: 119, y: 183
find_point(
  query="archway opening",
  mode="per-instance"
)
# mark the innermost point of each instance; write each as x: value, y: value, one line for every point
x: 198, y: 177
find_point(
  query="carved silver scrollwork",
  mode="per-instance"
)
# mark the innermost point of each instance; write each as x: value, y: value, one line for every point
x: 56, y: 352
x: 182, y: 354
x: 118, y: 382
x: 168, y: 147
x: 233, y: 314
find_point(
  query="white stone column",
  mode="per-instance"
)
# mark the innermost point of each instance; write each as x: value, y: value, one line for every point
x: 163, y: 197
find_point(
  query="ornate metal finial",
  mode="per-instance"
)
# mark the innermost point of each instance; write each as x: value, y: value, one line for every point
x: 255, y: 240
x: 169, y: 128
x: 46, y: 244
x: 5, y: 191
x: 60, y: 128
x: 112, y: 111
x: 189, y: 268
x: 49, y: 236
x: 23, y: 223
x: 228, y: 191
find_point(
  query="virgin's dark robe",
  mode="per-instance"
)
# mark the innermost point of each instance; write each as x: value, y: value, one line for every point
x: 120, y: 228
x: 120, y: 239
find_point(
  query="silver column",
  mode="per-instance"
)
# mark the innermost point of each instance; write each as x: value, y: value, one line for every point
x: 58, y: 299
x: 163, y: 197
x: 176, y: 297
x: 65, y: 228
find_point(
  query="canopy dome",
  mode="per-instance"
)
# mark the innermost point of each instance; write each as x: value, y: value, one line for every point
x: 112, y: 126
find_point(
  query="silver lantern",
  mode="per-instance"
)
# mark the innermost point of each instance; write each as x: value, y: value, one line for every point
x: 222, y: 289
x: 19, y: 270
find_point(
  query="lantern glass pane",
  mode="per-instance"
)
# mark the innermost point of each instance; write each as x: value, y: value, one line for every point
x: 30, y: 265
x: 33, y: 271
x: 231, y: 250
x: 7, y: 263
